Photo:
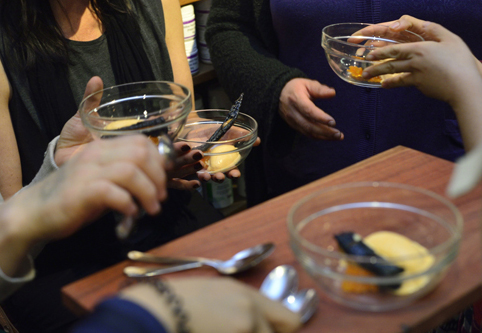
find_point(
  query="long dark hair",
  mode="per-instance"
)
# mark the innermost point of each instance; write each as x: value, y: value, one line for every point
x: 33, y: 34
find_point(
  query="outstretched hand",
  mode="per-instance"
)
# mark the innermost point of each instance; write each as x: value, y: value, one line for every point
x: 296, y: 107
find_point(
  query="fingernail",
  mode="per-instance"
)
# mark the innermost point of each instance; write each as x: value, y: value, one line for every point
x: 370, y: 56
x: 331, y: 123
x: 198, y: 166
x: 365, y: 74
x: 197, y: 156
x: 337, y: 135
x: 395, y: 25
x: 185, y: 148
x: 196, y: 185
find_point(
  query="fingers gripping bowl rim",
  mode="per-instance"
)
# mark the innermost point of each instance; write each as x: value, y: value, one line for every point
x: 347, y: 44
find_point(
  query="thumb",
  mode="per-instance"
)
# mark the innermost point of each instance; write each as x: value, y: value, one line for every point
x: 95, y: 84
x: 434, y: 31
x: 318, y: 90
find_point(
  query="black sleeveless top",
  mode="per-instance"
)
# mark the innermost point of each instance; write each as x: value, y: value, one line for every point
x: 87, y: 59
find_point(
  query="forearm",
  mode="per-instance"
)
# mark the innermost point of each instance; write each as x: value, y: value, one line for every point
x: 15, y: 239
x: 469, y: 116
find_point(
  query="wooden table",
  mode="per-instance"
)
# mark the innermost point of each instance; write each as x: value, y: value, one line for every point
x: 267, y: 222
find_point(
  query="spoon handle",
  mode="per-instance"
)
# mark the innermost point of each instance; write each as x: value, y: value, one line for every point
x: 147, y: 257
x: 134, y: 271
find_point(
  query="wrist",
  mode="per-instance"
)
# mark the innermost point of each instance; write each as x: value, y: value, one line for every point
x: 158, y: 298
x: 15, y: 239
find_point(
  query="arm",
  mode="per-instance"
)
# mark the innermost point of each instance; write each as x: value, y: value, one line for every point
x: 10, y: 170
x: 243, y: 48
x: 442, y: 67
x: 212, y: 304
x: 175, y: 43
x: 104, y: 174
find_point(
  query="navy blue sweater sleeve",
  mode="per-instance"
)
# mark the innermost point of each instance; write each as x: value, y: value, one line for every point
x: 118, y: 316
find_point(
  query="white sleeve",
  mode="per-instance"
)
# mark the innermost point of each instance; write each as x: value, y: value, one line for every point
x: 48, y: 165
x: 10, y: 284
x: 467, y: 172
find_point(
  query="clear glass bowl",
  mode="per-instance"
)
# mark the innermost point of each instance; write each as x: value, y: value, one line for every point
x: 365, y: 208
x: 346, y: 52
x: 153, y: 108
x: 231, y: 150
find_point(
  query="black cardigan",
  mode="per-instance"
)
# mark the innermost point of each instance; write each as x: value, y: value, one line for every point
x: 246, y: 25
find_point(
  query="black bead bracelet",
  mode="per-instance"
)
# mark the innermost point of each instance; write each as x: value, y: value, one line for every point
x: 173, y: 301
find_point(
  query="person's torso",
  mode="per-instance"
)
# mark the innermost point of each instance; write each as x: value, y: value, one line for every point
x: 372, y: 120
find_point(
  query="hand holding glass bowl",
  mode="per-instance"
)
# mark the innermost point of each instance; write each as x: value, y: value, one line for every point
x: 157, y: 109
x: 231, y: 150
x: 346, y: 46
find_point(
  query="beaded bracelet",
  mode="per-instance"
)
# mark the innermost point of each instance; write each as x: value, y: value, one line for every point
x: 173, y: 301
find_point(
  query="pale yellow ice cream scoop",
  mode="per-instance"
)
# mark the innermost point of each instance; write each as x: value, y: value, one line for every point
x: 121, y: 123
x: 389, y: 244
x: 223, y: 161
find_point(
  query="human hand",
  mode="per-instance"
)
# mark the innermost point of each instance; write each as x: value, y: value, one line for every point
x: 217, y: 305
x: 219, y: 177
x: 442, y: 67
x: 74, y: 134
x: 296, y: 107
x: 104, y: 174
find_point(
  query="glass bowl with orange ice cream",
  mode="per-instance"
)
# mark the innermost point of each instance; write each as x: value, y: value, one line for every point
x: 233, y: 147
x: 347, y: 44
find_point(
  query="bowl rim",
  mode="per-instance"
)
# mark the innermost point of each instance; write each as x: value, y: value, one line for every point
x: 86, y: 114
x: 323, y: 33
x: 453, y: 240
x: 252, y: 132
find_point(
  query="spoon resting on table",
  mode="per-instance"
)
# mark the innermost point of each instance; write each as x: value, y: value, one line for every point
x: 281, y: 285
x: 240, y: 262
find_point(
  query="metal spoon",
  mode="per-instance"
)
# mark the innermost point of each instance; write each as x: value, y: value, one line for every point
x: 303, y: 302
x: 281, y: 284
x: 241, y: 261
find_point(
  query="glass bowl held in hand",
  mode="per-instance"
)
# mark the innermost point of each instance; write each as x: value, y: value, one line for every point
x: 226, y: 153
x: 414, y: 234
x: 346, y: 46
x: 157, y: 109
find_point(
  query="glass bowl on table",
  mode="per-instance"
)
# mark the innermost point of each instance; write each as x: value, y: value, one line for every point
x: 413, y: 233
x: 346, y: 46
x: 233, y: 147
x: 157, y: 109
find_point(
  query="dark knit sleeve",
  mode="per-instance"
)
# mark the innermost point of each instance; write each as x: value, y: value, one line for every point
x: 243, y: 48
x: 120, y: 316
